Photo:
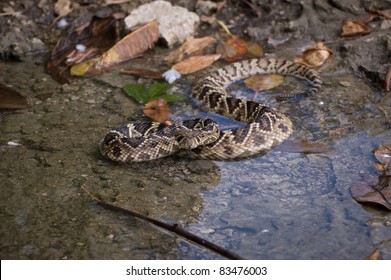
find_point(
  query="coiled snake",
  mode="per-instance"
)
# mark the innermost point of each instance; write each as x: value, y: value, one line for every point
x: 201, y: 138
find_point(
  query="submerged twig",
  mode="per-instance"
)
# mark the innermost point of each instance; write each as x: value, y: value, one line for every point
x: 175, y: 228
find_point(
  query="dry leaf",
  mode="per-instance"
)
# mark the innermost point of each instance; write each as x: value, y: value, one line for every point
x: 233, y: 49
x: 195, y: 63
x: 157, y: 110
x: 383, y: 13
x: 264, y: 82
x: 253, y: 50
x: 305, y: 147
x: 190, y: 47
x: 11, y: 99
x: 383, y: 154
x: 131, y: 46
x: 388, y: 80
x: 225, y: 50
x: 378, y: 194
x: 63, y: 7
x: 99, y: 35
x: 375, y: 255
x: 354, y: 27
x: 315, y: 56
x: 143, y: 73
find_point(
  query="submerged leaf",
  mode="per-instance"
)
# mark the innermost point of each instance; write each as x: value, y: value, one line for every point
x: 157, y: 110
x: 11, y: 99
x: 383, y: 154
x: 305, y: 147
x: 377, y: 194
x: 264, y: 82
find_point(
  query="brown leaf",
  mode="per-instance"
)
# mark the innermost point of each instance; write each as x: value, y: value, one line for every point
x: 225, y: 50
x: 384, y: 13
x: 63, y: 7
x: 190, y: 47
x: 11, y: 99
x: 131, y: 46
x: 378, y: 194
x: 305, y: 147
x: 99, y: 34
x: 157, y: 110
x: 195, y: 63
x: 315, y: 56
x: 145, y: 73
x: 383, y: 154
x: 352, y: 27
x: 388, y: 80
x: 253, y: 50
x: 375, y: 255
x: 233, y: 49
x: 264, y: 82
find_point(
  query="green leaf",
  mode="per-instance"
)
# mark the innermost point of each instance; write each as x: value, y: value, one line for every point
x: 173, y: 97
x: 138, y: 92
x: 158, y: 89
x: 155, y: 91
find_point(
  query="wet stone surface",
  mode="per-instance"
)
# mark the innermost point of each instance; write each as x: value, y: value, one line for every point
x: 279, y: 206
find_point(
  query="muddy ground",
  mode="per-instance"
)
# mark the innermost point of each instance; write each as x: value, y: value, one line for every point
x: 280, y: 206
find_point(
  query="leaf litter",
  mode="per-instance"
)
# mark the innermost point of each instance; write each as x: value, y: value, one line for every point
x: 376, y: 190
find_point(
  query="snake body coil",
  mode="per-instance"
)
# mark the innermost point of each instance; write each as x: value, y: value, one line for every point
x: 200, y: 138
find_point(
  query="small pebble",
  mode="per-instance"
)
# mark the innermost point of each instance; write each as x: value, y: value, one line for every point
x: 344, y: 84
x: 14, y: 144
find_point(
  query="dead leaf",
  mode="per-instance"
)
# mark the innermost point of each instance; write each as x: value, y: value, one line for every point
x: 232, y: 50
x: 253, y: 50
x: 99, y: 34
x: 376, y: 194
x: 264, y: 82
x: 315, y: 56
x: 383, y: 13
x: 190, y: 47
x: 157, y: 110
x: 145, y: 73
x: 304, y: 147
x: 352, y: 27
x: 375, y: 255
x: 11, y: 99
x: 388, y: 80
x: 383, y: 154
x: 195, y: 63
x: 225, y: 50
x: 131, y: 46
x: 63, y: 7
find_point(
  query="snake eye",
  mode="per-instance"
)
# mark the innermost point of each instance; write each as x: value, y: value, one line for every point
x: 110, y: 137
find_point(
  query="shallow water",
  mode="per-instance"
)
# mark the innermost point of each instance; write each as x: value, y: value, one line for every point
x: 279, y: 206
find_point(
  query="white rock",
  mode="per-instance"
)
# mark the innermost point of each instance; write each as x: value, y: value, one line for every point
x: 175, y: 23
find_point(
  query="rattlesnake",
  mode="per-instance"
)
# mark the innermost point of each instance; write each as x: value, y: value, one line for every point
x: 201, y: 138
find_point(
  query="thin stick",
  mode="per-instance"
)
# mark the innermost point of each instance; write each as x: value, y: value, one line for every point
x: 175, y: 228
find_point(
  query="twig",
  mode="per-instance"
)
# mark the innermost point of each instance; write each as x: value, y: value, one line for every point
x: 388, y: 79
x: 175, y: 228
